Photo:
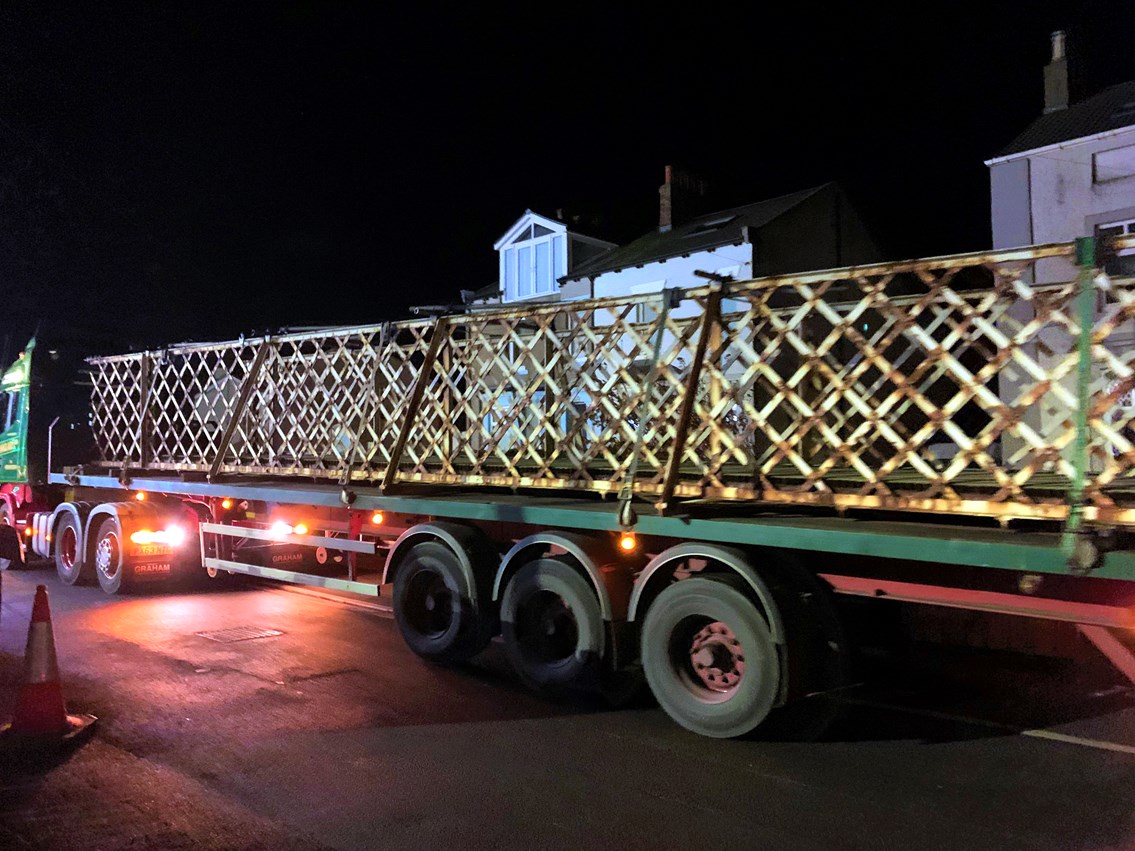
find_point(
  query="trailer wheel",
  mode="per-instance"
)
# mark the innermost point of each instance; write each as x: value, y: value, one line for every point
x: 551, y: 625
x: 709, y: 657
x: 109, y: 566
x: 437, y: 620
x: 69, y: 562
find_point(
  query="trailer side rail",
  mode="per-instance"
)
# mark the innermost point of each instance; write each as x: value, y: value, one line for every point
x: 222, y: 530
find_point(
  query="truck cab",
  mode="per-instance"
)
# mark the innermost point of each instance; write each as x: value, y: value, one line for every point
x: 43, y: 421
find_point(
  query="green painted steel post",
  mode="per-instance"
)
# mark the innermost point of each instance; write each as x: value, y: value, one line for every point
x: 1085, y: 315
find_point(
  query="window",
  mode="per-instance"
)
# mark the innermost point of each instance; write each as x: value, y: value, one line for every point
x: 9, y: 409
x: 532, y: 262
x: 647, y: 310
x: 1114, y: 164
x: 1123, y: 262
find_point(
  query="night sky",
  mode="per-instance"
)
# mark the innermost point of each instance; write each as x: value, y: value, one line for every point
x: 174, y: 171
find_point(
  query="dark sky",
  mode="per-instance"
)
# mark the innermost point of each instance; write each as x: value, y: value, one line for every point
x: 174, y: 171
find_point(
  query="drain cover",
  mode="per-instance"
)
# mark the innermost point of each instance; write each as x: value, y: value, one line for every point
x: 239, y: 633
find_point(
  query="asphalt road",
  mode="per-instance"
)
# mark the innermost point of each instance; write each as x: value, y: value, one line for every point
x: 330, y: 734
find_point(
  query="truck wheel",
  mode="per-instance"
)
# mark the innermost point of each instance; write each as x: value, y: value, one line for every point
x: 109, y: 566
x: 437, y: 620
x: 709, y: 657
x: 68, y: 552
x: 551, y: 624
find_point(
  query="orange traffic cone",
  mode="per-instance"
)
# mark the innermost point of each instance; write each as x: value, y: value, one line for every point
x: 41, y: 715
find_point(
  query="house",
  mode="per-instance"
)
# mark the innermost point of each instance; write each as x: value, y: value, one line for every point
x: 1070, y: 173
x: 804, y: 231
x: 542, y: 259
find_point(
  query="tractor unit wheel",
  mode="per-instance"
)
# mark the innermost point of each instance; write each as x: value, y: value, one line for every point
x: 110, y: 566
x: 69, y: 562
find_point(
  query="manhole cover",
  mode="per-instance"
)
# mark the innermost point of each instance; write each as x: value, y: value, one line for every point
x: 239, y: 633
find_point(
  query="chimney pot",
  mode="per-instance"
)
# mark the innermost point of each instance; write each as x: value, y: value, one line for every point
x: 1057, y: 45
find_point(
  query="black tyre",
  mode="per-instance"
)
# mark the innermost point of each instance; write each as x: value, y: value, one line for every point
x: 437, y: 620
x: 552, y: 626
x: 69, y: 561
x: 110, y: 567
x: 709, y: 657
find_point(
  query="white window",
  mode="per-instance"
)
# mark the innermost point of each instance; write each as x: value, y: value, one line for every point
x: 1123, y: 262
x: 1116, y: 228
x: 645, y: 312
x: 530, y: 263
x: 1114, y: 164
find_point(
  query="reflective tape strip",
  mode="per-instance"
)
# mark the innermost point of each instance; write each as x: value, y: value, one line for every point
x: 40, y: 665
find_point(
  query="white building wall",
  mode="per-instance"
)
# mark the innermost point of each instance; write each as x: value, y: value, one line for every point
x: 734, y: 260
x: 1064, y: 199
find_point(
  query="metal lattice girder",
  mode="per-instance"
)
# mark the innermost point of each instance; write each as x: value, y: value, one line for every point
x: 946, y: 385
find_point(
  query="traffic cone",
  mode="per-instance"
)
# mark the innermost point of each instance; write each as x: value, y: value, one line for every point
x: 41, y: 716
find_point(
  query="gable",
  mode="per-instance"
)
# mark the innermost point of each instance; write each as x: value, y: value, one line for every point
x: 523, y: 228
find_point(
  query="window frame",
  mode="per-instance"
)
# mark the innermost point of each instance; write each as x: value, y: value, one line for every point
x: 537, y: 288
x: 1097, y: 180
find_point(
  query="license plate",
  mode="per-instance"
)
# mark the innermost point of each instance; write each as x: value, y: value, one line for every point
x: 153, y: 550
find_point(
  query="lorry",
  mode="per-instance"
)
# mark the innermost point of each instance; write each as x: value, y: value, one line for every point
x: 692, y: 487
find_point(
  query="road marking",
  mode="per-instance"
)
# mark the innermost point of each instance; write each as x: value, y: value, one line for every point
x: 1077, y: 740
x: 1050, y: 735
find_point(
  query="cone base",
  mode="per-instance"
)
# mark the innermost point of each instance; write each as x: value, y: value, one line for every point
x: 77, y: 727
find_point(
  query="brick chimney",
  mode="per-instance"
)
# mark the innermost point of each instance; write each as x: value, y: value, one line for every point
x: 1056, y: 76
x: 680, y: 197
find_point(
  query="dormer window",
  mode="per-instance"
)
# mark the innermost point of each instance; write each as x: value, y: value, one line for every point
x: 536, y: 252
x: 532, y: 257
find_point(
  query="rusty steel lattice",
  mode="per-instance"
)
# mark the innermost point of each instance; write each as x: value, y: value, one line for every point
x: 946, y: 385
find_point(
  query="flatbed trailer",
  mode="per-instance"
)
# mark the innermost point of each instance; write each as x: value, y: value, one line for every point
x: 681, y: 485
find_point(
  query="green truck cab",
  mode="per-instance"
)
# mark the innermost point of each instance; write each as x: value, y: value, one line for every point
x: 15, y: 395
x: 43, y: 420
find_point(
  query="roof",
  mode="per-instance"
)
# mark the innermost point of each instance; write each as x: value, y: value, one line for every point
x: 1110, y: 109
x: 702, y: 233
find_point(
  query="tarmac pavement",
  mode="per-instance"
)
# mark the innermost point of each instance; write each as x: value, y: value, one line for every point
x: 326, y: 732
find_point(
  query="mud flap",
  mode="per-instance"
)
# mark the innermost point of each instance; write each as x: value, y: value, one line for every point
x: 10, y: 546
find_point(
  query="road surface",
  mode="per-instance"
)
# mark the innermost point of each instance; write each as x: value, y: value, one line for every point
x: 324, y: 731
